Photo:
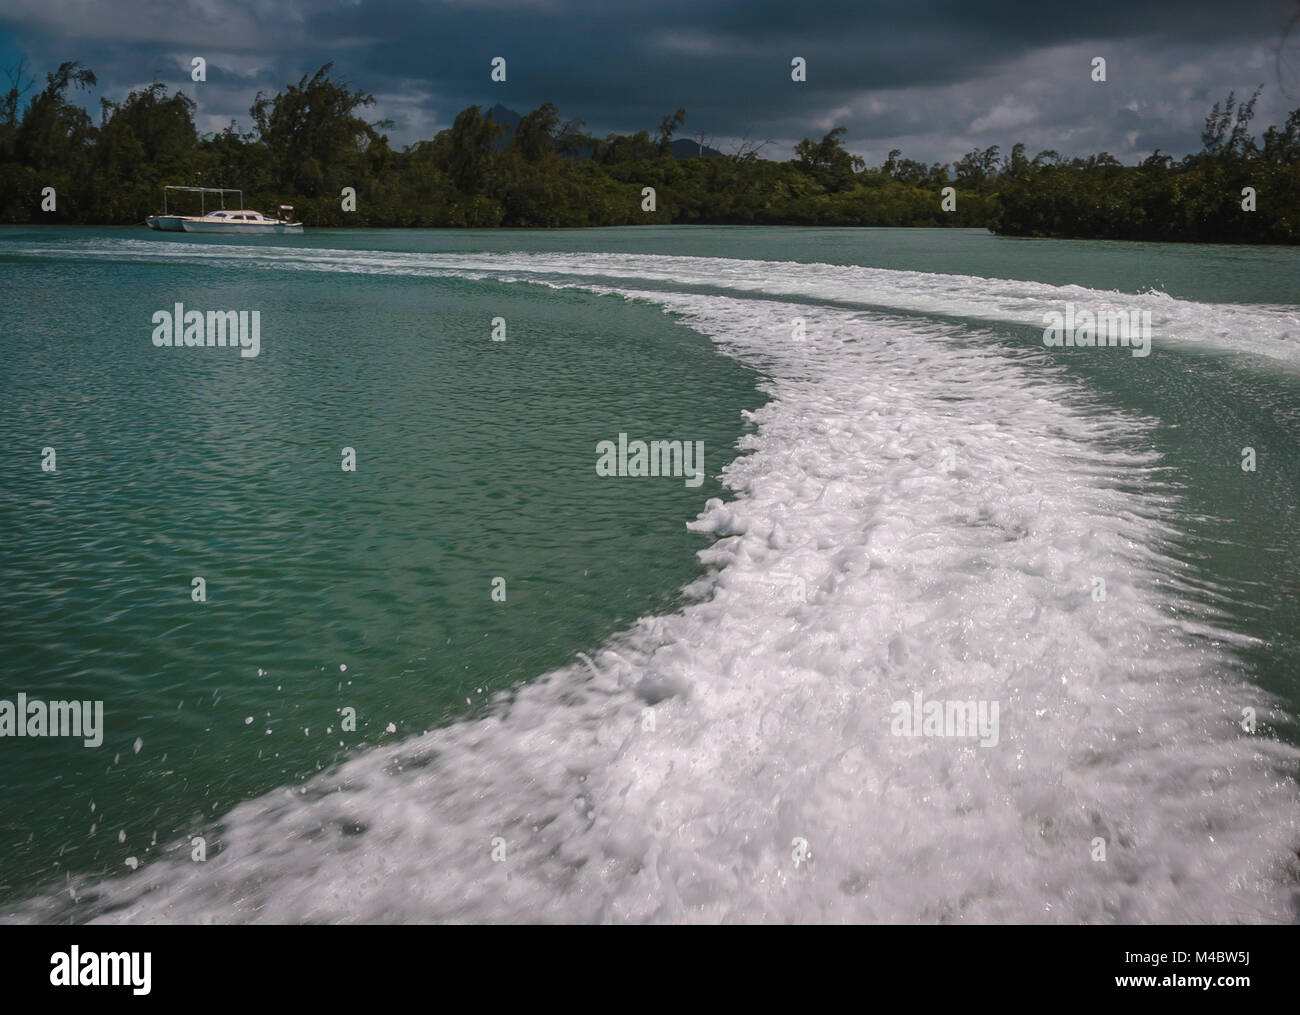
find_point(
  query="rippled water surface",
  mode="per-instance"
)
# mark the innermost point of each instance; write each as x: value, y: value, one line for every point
x: 944, y: 490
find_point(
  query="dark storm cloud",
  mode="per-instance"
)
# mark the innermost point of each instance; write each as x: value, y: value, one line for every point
x: 934, y: 78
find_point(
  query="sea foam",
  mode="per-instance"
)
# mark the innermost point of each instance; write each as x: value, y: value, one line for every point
x: 945, y: 501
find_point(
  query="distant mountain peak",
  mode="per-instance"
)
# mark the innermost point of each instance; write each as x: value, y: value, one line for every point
x: 685, y: 148
x: 508, y: 118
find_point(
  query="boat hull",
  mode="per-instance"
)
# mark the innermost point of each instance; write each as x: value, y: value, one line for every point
x: 242, y: 228
x: 166, y: 223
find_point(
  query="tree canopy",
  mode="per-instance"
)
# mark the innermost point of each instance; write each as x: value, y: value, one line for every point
x: 312, y: 139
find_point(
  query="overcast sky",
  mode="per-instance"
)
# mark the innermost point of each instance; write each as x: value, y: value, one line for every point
x: 934, y: 78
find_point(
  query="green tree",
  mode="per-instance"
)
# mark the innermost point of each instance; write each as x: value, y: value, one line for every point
x: 315, y: 139
x: 535, y: 135
x: 470, y: 149
x: 667, y: 128
x: 55, y: 134
x: 827, y: 161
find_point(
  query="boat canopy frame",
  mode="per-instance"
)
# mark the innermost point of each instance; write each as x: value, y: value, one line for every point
x: 203, y: 192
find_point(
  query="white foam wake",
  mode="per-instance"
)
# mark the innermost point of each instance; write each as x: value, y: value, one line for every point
x: 771, y: 716
x: 1269, y: 331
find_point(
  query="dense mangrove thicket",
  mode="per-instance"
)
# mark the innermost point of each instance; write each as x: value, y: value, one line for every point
x: 310, y: 141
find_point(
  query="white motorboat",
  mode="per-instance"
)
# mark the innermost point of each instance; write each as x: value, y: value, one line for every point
x: 224, y: 220
x: 239, y: 222
x: 170, y: 222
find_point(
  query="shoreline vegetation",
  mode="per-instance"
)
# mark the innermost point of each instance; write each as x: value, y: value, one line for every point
x: 308, y: 143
